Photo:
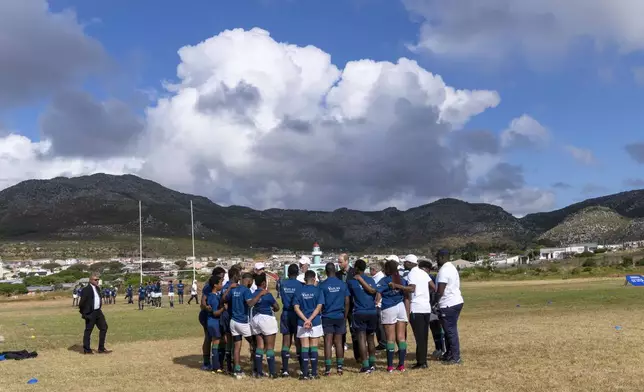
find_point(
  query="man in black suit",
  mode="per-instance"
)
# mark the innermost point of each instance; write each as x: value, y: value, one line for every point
x: 346, y: 273
x: 90, y: 310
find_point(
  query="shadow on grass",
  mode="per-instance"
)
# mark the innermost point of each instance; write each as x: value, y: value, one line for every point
x: 189, y: 361
x: 77, y: 348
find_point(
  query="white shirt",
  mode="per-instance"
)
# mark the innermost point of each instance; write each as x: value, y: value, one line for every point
x: 378, y: 276
x: 448, y: 274
x: 193, y: 289
x: 97, y: 298
x: 300, y: 277
x: 420, y: 297
x: 226, y: 279
x: 253, y: 288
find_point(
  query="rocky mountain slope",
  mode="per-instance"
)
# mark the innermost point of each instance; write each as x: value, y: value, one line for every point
x: 102, y: 206
x: 595, y: 224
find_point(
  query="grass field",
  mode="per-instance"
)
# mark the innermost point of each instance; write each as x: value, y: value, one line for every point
x: 515, y: 336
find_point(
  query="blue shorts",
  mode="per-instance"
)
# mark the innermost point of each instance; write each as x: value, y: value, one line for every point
x: 214, y: 328
x: 288, y: 322
x: 224, y: 322
x: 334, y: 326
x: 365, y: 322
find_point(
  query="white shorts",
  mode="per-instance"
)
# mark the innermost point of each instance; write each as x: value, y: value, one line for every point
x: 263, y: 324
x: 242, y: 329
x: 393, y: 315
x: 156, y: 295
x: 74, y: 296
x: 314, y: 332
x: 170, y: 295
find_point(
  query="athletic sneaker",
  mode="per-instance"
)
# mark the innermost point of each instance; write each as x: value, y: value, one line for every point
x: 303, y: 378
x: 437, y: 354
x: 273, y: 376
x: 327, y: 373
x: 207, y: 368
x: 285, y: 375
x: 401, y: 368
x: 218, y: 371
x: 453, y: 362
x: 239, y: 375
x: 340, y: 372
x: 366, y: 370
x: 372, y: 368
x: 390, y: 369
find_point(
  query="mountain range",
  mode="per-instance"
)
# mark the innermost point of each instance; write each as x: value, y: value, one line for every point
x: 106, y: 206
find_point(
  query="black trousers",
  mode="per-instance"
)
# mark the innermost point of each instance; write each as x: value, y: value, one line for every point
x: 354, y: 339
x: 420, y: 326
x: 381, y: 336
x: 96, y: 318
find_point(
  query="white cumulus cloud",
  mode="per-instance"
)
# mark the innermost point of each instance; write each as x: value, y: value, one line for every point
x: 262, y: 123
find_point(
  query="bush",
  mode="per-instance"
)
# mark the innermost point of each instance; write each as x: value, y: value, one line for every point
x: 553, y: 268
x: 589, y: 263
x: 585, y: 254
x: 600, y: 250
x: 588, y: 269
x: 640, y: 262
x: 627, y: 261
x: 575, y: 271
x: 12, y: 289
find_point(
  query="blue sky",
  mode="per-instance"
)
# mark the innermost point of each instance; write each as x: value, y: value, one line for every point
x: 586, y: 96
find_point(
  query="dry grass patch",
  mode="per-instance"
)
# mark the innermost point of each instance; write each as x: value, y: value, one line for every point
x: 570, y: 344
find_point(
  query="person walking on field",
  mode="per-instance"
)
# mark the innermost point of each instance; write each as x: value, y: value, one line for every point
x: 193, y: 293
x: 90, y: 310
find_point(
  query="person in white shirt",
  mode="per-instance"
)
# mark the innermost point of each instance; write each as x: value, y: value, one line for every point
x: 376, y: 273
x: 420, y: 308
x: 193, y: 293
x: 259, y: 269
x: 304, y: 262
x: 450, y: 303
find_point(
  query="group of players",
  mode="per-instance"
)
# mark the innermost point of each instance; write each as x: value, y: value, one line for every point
x: 151, y: 294
x: 237, y: 305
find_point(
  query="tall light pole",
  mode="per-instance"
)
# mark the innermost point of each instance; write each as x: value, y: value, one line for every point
x: 140, y: 245
x: 192, y: 225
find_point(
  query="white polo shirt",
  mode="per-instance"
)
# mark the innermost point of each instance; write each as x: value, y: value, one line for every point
x: 448, y: 274
x: 420, y: 297
x: 300, y: 277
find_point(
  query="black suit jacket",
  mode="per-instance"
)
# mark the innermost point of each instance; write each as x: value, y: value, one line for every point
x: 346, y: 277
x: 86, y: 303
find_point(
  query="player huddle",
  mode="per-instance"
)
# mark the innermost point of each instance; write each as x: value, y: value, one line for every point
x: 243, y: 309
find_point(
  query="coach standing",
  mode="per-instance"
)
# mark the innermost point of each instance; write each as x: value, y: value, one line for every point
x: 420, y: 308
x: 450, y: 302
x: 90, y: 310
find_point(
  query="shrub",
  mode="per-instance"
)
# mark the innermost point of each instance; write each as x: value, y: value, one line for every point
x: 12, y: 289
x: 627, y: 261
x: 553, y: 268
x: 588, y: 269
x: 589, y: 263
x: 640, y: 262
x: 575, y: 271
x: 586, y: 254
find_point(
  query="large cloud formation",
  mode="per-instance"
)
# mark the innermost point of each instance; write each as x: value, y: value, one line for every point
x: 493, y: 29
x: 41, y: 51
x: 261, y: 123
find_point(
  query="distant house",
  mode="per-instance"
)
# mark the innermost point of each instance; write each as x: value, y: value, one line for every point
x: 552, y: 253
